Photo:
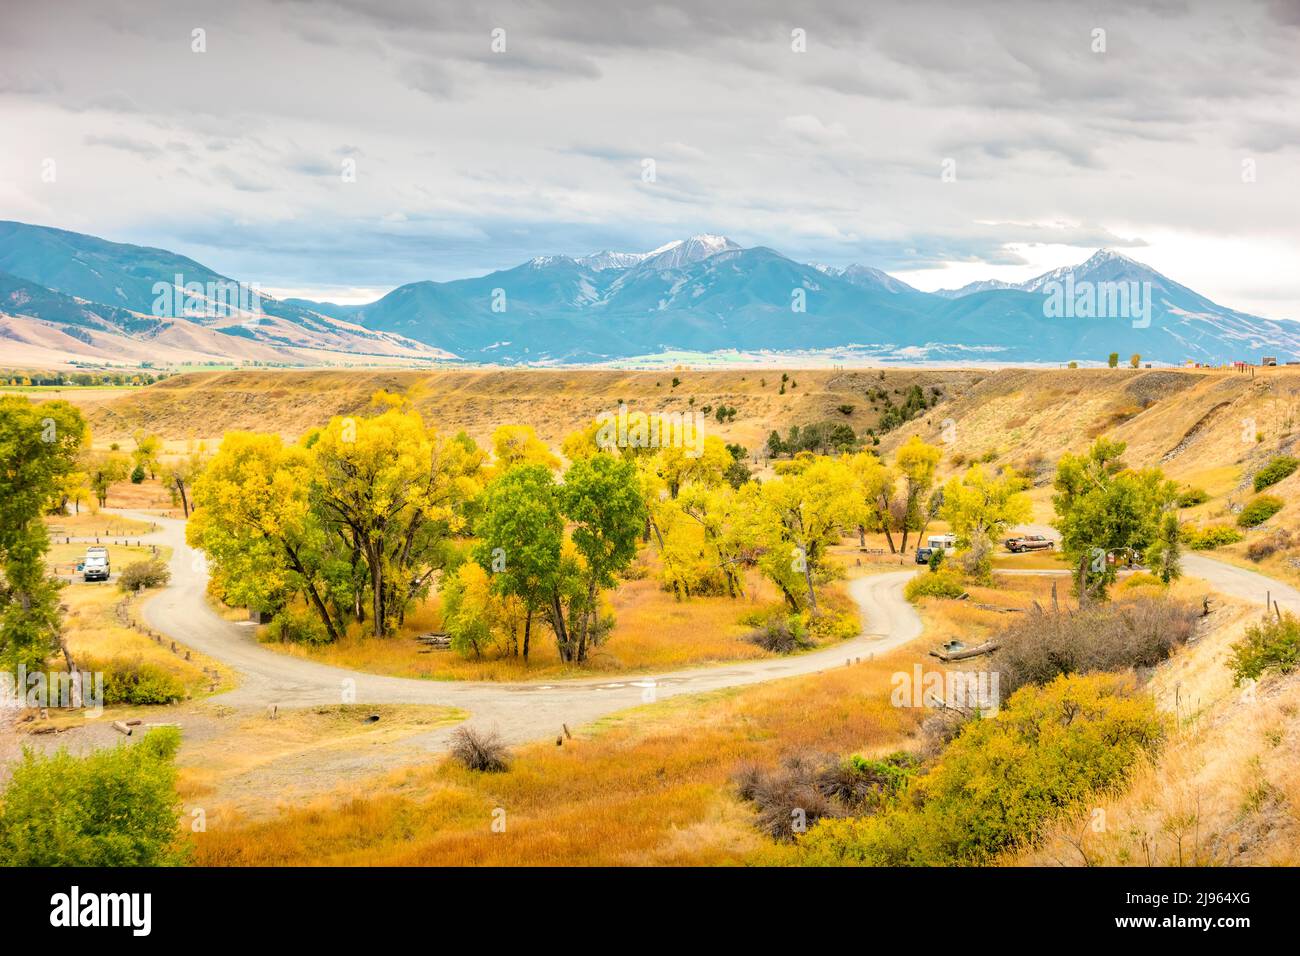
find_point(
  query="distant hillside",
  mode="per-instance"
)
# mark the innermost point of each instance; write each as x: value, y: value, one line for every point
x: 68, y: 297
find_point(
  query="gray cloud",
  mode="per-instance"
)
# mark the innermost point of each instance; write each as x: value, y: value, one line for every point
x: 127, y: 144
x: 470, y: 160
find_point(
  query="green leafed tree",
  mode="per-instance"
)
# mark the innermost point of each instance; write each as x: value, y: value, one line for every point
x: 103, y: 470
x: 520, y: 538
x: 601, y: 498
x: 978, y: 507
x: 39, y: 445
x: 1106, y: 510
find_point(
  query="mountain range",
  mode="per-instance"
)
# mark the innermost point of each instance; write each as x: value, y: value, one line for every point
x: 76, y: 296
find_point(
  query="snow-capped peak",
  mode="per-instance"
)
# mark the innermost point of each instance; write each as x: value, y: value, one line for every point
x: 681, y: 252
x: 608, y: 259
x: 1112, y: 264
x: 1109, y: 255
x: 541, y: 262
x: 865, y: 276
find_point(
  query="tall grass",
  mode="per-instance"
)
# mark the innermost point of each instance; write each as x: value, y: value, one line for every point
x: 654, y: 790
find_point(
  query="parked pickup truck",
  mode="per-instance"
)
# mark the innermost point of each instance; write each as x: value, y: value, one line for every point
x: 94, y: 567
x: 1029, y: 542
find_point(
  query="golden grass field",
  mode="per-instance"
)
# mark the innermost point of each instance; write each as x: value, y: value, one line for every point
x: 651, y: 786
x: 654, y: 786
x: 89, y: 523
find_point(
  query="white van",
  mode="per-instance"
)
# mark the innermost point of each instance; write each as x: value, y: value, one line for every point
x: 936, y: 542
x: 95, y: 566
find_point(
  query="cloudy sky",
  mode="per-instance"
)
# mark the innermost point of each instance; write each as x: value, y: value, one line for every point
x: 822, y: 129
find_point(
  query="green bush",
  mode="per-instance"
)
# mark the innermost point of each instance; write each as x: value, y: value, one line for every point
x: 1277, y: 469
x: 114, y: 807
x: 135, y: 682
x: 941, y: 583
x: 1190, y: 497
x: 1002, y: 780
x: 1273, y: 646
x: 1259, y: 510
x: 835, y: 624
x: 1210, y: 536
x: 138, y: 575
x: 295, y: 626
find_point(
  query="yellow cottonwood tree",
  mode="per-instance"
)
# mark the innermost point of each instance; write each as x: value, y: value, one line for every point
x: 917, y: 462
x: 811, y: 507
x: 394, y: 489
x: 519, y: 445
x: 252, y: 517
x: 978, y: 507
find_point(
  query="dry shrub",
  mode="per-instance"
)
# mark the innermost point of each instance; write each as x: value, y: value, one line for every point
x: 1259, y: 550
x: 780, y: 634
x: 1137, y: 633
x: 861, y: 784
x: 779, y: 794
x: 1266, y: 547
x: 941, y: 728
x: 479, y: 750
x: 822, y: 786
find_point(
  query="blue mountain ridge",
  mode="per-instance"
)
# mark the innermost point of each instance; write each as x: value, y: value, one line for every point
x: 705, y: 294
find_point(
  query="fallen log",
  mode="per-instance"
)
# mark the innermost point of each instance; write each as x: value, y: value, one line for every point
x: 121, y: 728
x: 988, y: 647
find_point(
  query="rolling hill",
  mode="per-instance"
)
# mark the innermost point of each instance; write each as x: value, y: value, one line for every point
x: 66, y: 297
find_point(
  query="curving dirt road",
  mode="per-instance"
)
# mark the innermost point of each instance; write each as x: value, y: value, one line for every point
x: 1228, y: 579
x: 526, y: 711
x: 520, y: 711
